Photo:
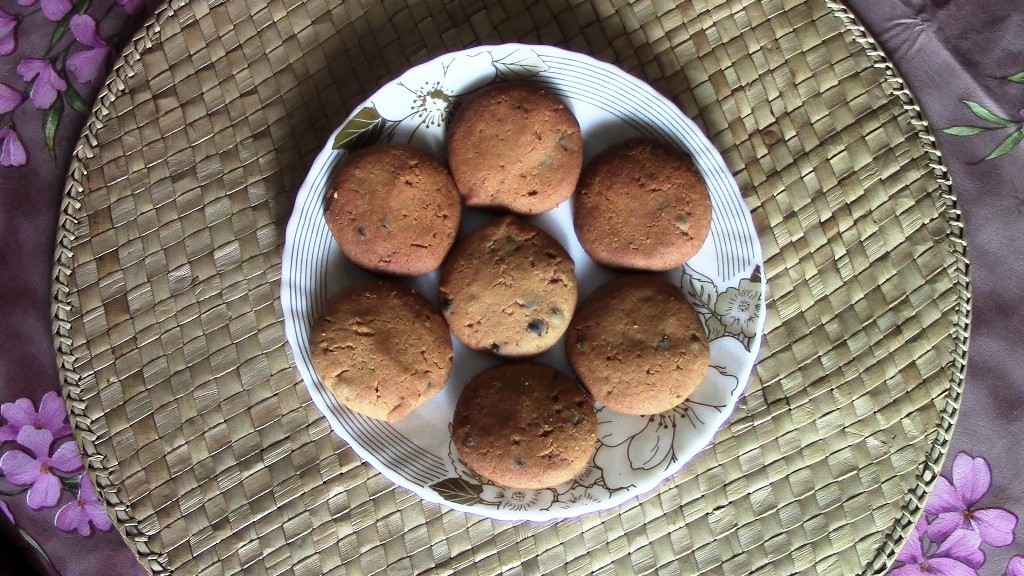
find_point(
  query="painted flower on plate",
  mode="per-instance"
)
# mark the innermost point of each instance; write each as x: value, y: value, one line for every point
x: 631, y: 444
x: 37, y: 470
x: 517, y: 499
x: 46, y: 82
x: 84, y: 512
x: 89, y: 64
x: 959, y: 555
x: 54, y: 10
x: 430, y: 91
x: 8, y: 33
x: 739, y: 308
x: 12, y: 151
x: 51, y: 416
x: 581, y: 495
x: 954, y: 504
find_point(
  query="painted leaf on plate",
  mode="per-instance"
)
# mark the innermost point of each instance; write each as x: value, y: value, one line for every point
x: 519, y: 64
x: 458, y: 490
x: 700, y: 291
x: 364, y: 129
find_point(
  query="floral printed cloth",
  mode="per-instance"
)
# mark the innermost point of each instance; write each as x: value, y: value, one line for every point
x: 964, y: 60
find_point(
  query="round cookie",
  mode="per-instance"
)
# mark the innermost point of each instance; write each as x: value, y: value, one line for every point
x: 508, y: 288
x: 642, y: 205
x: 517, y: 147
x: 393, y: 209
x: 525, y: 425
x: 381, y: 349
x: 638, y: 345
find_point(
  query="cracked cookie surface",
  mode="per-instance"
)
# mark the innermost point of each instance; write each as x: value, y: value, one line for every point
x: 525, y: 425
x: 641, y: 205
x: 637, y: 345
x: 393, y: 209
x: 381, y: 349
x: 515, y: 147
x: 508, y: 288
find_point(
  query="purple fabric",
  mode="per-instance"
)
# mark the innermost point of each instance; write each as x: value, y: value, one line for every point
x: 964, y: 60
x: 49, y: 506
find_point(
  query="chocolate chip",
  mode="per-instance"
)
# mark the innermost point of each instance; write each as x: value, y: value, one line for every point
x: 556, y: 313
x: 664, y: 342
x: 517, y: 462
x: 362, y: 233
x: 538, y: 327
x: 385, y: 224
x: 495, y: 348
x: 446, y: 303
x: 575, y: 419
x: 581, y: 345
x: 468, y: 442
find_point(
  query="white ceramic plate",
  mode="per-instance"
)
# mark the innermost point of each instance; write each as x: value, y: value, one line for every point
x: 723, y: 281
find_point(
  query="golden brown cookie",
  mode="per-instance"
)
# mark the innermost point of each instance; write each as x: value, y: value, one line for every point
x: 381, y: 349
x: 638, y: 345
x: 642, y: 205
x: 517, y: 147
x: 508, y: 288
x: 393, y: 209
x: 525, y: 425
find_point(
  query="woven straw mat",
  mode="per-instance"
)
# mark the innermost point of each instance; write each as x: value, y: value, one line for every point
x: 205, y: 444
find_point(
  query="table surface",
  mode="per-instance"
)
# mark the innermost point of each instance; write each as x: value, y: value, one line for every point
x: 961, y: 60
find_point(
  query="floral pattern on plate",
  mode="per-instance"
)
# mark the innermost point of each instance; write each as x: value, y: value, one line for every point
x: 723, y: 281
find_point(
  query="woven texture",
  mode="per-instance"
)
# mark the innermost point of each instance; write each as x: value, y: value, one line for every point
x: 204, y: 442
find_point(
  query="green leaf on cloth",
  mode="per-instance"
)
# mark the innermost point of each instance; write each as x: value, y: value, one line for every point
x: 1018, y: 78
x: 965, y: 130
x: 51, y: 121
x: 76, y: 101
x: 1010, y: 143
x: 986, y: 114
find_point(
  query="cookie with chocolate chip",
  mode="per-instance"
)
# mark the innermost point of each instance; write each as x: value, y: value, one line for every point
x: 381, y: 349
x: 525, y: 425
x: 508, y: 288
x: 638, y: 345
x: 393, y: 209
x: 642, y: 205
x: 515, y: 147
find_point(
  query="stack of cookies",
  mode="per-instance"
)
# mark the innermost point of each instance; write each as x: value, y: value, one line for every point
x: 509, y: 289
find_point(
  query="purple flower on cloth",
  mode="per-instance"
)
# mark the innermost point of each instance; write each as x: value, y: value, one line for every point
x: 8, y: 38
x: 54, y: 10
x: 1015, y: 567
x: 47, y: 83
x: 958, y: 555
x: 9, y: 98
x: 12, y: 151
x: 91, y: 63
x: 51, y: 416
x: 84, y: 512
x: 37, y: 472
x: 954, y: 503
x: 132, y: 6
x: 6, y: 511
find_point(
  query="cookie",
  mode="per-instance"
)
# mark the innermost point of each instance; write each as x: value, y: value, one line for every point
x: 525, y: 425
x: 508, y: 288
x: 393, y: 209
x: 638, y: 345
x: 381, y: 349
x: 515, y: 147
x: 642, y: 205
